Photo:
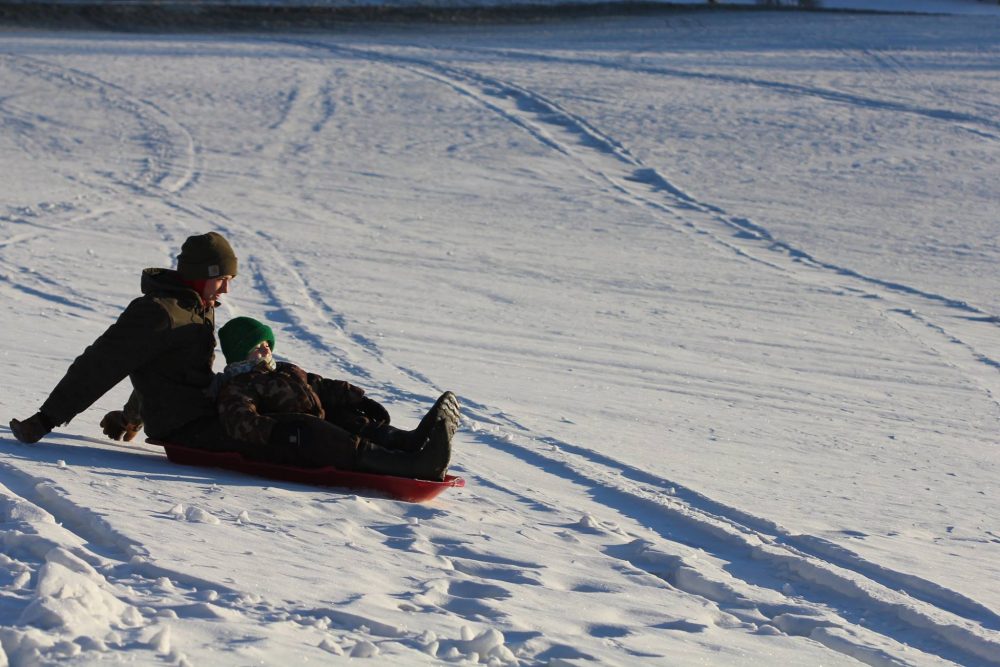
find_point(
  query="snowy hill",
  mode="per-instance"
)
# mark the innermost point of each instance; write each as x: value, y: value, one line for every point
x: 717, y: 291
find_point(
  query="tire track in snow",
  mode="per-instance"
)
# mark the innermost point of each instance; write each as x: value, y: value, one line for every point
x: 834, y: 576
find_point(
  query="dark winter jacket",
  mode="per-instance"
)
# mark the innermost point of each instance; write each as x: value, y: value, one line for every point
x: 164, y: 342
x: 246, y: 400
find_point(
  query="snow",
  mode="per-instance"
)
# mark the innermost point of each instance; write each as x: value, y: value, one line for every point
x: 717, y: 292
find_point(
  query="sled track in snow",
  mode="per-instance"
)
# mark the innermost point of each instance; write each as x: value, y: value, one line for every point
x: 981, y: 124
x: 869, y: 600
x: 25, y: 279
x: 294, y: 117
x: 891, y: 67
x: 762, y: 558
x: 614, y: 168
x: 171, y: 164
x: 169, y: 167
x: 765, y: 558
x: 288, y: 309
x: 167, y: 158
x: 773, y: 533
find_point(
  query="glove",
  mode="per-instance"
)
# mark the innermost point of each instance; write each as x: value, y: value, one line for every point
x: 32, y: 429
x: 373, y: 410
x: 348, y: 419
x: 117, y: 427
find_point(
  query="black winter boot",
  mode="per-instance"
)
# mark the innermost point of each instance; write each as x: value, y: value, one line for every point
x: 411, y: 441
x: 446, y: 407
x: 437, y: 452
x: 429, y: 462
x: 391, y: 437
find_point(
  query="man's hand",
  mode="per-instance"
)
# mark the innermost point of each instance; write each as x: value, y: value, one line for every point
x: 32, y: 429
x: 117, y: 427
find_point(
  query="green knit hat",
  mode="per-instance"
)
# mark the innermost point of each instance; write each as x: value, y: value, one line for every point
x: 206, y: 256
x: 242, y: 334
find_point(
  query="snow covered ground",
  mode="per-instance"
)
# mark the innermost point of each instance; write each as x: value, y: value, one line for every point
x: 718, y: 292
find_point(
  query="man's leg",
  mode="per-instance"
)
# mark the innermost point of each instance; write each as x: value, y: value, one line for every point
x: 205, y: 433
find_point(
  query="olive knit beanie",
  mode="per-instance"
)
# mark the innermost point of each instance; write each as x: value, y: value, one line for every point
x: 206, y: 256
x: 242, y: 334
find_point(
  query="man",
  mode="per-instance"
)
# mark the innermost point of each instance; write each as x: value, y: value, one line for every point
x: 164, y: 342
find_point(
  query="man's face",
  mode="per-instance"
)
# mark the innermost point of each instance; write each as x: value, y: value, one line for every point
x: 215, y: 288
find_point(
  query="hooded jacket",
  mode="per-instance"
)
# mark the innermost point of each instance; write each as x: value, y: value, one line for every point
x: 164, y: 342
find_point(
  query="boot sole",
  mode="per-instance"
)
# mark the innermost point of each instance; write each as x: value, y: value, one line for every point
x: 450, y: 412
x: 446, y: 407
x: 443, y: 430
x: 445, y: 399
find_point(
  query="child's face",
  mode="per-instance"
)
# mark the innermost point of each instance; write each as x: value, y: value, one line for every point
x: 259, y: 353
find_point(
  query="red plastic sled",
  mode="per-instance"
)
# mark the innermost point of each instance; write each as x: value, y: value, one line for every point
x: 400, y: 488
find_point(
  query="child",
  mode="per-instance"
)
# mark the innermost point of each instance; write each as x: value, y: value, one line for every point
x: 287, y: 415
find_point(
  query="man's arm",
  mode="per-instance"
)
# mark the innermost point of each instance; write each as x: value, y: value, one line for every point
x: 127, y: 344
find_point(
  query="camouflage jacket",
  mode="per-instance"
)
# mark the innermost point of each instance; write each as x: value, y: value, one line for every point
x: 247, y: 401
